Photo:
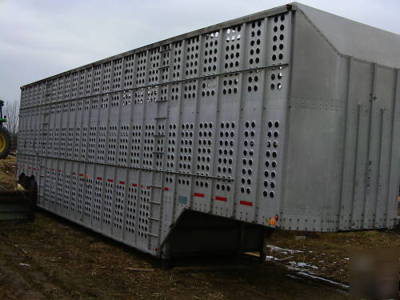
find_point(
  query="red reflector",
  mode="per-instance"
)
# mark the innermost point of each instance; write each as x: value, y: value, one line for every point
x: 198, y: 195
x: 80, y: 174
x: 247, y: 203
x: 219, y: 198
x: 122, y: 182
x: 99, y: 178
x: 166, y: 188
x: 110, y: 180
x: 134, y: 184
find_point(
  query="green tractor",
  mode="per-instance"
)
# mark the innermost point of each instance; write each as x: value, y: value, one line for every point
x: 5, y: 138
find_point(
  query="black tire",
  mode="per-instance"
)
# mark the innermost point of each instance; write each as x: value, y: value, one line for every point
x: 5, y: 142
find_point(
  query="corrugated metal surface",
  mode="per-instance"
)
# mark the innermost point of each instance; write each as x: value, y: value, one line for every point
x: 341, y: 161
x: 249, y: 119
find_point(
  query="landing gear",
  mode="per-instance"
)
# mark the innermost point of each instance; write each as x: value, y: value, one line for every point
x: 263, y: 247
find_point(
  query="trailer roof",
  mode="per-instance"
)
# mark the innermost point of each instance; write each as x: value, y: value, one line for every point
x: 233, y: 22
x: 355, y: 39
x: 346, y: 36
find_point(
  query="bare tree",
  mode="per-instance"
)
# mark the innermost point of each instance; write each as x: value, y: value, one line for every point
x: 11, y: 111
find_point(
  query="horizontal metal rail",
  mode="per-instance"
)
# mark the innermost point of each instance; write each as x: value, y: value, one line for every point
x: 131, y: 168
x: 86, y: 97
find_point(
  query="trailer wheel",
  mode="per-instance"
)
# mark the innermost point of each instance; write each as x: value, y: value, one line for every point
x: 5, y: 142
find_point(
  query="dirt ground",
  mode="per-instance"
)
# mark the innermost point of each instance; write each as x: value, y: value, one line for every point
x: 55, y: 259
x: 52, y: 258
x: 328, y: 254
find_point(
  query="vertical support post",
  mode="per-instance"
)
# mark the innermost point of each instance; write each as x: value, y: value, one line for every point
x: 345, y: 142
x: 266, y: 234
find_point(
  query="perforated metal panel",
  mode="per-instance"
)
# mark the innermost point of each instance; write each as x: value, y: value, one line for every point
x: 235, y: 120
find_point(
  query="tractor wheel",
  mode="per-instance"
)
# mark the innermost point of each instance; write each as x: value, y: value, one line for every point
x: 5, y: 142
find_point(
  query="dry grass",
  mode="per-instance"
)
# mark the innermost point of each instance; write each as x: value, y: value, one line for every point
x: 7, y: 173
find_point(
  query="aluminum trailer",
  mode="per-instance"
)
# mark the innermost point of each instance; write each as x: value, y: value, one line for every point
x: 287, y: 118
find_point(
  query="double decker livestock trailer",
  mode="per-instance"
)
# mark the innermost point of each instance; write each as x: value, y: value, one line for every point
x: 287, y: 118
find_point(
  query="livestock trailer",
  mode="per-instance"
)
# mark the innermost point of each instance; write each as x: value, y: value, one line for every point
x: 287, y: 118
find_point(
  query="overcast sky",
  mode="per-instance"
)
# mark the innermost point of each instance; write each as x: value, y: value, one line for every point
x: 39, y: 38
